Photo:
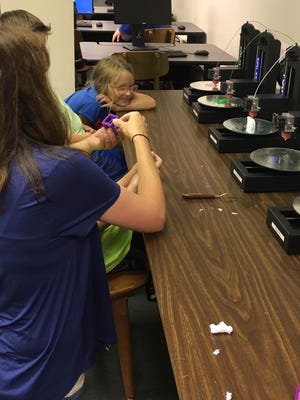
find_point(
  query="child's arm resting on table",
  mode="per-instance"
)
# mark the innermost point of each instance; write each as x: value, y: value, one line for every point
x: 139, y: 102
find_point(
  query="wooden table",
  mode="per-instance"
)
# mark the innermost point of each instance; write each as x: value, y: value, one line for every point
x: 193, y: 33
x: 217, y: 260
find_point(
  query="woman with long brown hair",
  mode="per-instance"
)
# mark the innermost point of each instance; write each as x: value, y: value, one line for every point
x: 55, y: 308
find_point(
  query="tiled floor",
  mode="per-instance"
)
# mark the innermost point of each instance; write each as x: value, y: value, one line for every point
x: 153, y: 375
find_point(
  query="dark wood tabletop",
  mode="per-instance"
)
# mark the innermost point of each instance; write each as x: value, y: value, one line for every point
x: 216, y: 260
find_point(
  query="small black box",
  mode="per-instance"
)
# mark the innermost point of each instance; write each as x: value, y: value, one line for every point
x: 212, y: 115
x: 284, y: 223
x: 253, y: 178
x: 190, y: 95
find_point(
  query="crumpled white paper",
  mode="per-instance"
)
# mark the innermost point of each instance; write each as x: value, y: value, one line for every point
x: 221, y: 327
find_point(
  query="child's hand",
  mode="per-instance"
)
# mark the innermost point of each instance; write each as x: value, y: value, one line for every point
x: 105, y: 138
x: 158, y: 161
x: 88, y: 129
x: 100, y: 140
x: 116, y: 36
x: 133, y: 184
x: 104, y: 100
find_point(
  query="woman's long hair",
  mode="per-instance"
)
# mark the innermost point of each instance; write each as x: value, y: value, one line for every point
x: 29, y: 114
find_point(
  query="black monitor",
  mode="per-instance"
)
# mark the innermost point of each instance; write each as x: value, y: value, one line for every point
x: 140, y: 13
x: 85, y: 6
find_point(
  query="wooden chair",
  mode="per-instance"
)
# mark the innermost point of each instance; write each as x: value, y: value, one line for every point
x: 160, y: 35
x: 121, y: 285
x: 147, y: 65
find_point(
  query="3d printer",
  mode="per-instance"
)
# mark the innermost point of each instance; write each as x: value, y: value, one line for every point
x: 217, y: 108
x: 233, y: 136
x: 266, y: 66
x: 244, y: 67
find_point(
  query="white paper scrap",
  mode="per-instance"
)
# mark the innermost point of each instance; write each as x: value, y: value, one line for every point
x: 221, y: 327
x: 228, y: 396
x: 216, y: 352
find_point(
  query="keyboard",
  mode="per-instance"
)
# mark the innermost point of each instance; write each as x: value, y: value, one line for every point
x: 175, y: 53
x: 84, y: 24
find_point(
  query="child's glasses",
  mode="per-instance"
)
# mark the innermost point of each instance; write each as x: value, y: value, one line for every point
x: 124, y: 89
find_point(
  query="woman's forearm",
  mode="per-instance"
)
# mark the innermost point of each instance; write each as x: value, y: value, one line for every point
x: 150, y: 185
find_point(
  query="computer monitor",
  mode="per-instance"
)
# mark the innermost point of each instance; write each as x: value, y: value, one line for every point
x: 85, y: 6
x: 140, y: 13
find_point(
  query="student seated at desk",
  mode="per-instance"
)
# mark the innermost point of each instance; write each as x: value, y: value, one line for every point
x: 112, y: 89
x: 124, y: 32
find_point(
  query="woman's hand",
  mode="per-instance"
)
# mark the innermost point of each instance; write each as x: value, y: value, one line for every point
x: 131, y: 124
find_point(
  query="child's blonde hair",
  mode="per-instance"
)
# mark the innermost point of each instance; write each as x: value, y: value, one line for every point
x: 107, y: 72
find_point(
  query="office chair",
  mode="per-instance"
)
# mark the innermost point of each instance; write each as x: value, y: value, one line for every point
x: 160, y: 35
x: 147, y: 65
x: 121, y: 285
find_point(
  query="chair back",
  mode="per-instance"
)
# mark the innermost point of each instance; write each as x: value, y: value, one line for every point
x: 160, y: 35
x: 147, y: 65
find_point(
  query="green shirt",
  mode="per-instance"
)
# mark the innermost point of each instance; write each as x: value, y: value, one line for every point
x: 115, y: 245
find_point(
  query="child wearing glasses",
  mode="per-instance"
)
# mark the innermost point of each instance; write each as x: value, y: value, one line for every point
x: 112, y: 90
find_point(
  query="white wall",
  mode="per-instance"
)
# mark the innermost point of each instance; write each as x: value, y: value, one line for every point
x: 58, y: 13
x: 222, y: 19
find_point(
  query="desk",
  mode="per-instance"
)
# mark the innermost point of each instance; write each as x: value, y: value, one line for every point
x: 105, y: 32
x: 103, y: 12
x: 93, y: 52
x: 216, y: 260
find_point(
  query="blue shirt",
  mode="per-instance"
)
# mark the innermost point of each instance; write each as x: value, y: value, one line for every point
x: 55, y: 309
x: 83, y: 102
x: 127, y: 28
